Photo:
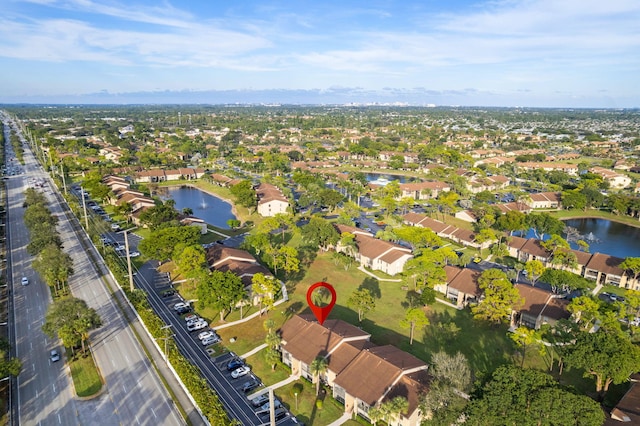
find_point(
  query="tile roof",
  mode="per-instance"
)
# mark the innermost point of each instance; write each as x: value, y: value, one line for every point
x: 465, y: 281
x: 606, y: 264
x: 375, y: 371
x: 306, y: 339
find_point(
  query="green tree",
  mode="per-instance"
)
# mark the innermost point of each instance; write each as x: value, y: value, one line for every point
x: 500, y: 298
x: 362, y: 301
x: 9, y: 366
x: 414, y: 319
x: 71, y: 320
x: 544, y: 223
x: 534, y: 269
x: 221, y: 291
x: 319, y: 232
x: 516, y: 396
x: 286, y: 259
x: 524, y: 337
x: 317, y: 368
x: 264, y: 288
x: 160, y: 215
x: 245, y: 195
x: 160, y: 244
x: 54, y: 266
x: 609, y: 357
x: 586, y: 310
x: 632, y: 266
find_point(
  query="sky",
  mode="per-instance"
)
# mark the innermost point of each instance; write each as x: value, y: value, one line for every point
x: 530, y: 53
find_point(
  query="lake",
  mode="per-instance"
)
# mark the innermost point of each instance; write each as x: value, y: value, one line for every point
x: 211, y: 209
x: 605, y: 236
x: 383, y: 179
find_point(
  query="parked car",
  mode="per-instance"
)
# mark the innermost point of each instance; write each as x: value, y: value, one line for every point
x: 115, y: 227
x: 180, y: 305
x: 191, y: 317
x: 207, y: 334
x: 266, y: 406
x: 210, y: 341
x: 234, y: 363
x: 259, y: 400
x: 54, y: 355
x: 239, y: 372
x: 168, y: 293
x: 198, y: 325
x: 183, y: 310
x: 134, y: 254
x: 250, y: 385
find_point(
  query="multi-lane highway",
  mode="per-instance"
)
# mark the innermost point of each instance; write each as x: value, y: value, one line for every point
x: 132, y: 392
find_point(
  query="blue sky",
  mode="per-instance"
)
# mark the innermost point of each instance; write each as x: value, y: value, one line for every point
x: 557, y: 53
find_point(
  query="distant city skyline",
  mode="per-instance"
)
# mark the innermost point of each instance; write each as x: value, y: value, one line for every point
x: 528, y: 53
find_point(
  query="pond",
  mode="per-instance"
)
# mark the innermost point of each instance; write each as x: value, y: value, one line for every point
x: 383, y: 179
x: 211, y: 209
x: 605, y: 236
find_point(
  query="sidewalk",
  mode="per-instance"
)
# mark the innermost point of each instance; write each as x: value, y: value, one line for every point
x: 253, y: 351
x: 343, y: 419
x: 362, y: 269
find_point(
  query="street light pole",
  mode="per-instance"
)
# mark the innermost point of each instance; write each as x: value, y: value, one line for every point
x: 166, y: 355
x: 126, y: 247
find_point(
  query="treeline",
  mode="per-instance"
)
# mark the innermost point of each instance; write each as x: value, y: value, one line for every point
x: 52, y: 264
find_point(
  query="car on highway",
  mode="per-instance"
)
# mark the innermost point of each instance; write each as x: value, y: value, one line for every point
x: 234, y: 363
x: 54, y: 355
x: 24, y: 281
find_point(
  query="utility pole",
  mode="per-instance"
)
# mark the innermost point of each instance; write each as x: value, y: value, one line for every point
x: 64, y: 182
x: 84, y: 208
x: 126, y: 247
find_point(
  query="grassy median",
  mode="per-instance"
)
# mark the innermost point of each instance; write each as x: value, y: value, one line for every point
x: 86, y: 377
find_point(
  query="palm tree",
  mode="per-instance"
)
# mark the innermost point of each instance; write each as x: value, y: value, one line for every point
x: 317, y: 368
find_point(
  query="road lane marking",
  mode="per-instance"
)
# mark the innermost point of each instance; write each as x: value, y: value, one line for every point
x: 154, y: 413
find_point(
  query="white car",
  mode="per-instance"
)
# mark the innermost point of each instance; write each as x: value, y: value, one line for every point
x: 115, y: 227
x: 242, y: 371
x: 198, y: 325
x: 191, y: 317
x: 180, y: 305
x: 24, y: 281
x: 134, y: 254
x: 210, y: 341
x: 206, y: 334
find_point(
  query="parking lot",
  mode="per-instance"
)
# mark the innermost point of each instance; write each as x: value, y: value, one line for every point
x: 230, y: 377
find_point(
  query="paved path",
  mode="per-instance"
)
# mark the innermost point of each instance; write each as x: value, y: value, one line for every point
x: 253, y: 351
x: 361, y: 268
x: 343, y: 419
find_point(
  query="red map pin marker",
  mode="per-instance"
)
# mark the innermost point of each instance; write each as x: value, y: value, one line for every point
x: 321, y: 313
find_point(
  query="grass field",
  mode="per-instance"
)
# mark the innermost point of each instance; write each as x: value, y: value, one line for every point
x: 86, y: 378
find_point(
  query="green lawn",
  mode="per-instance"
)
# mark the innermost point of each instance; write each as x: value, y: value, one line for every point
x: 86, y: 378
x: 306, y: 410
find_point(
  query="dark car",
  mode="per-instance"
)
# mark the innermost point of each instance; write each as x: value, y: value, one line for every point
x: 250, y: 385
x: 234, y: 364
x: 168, y: 293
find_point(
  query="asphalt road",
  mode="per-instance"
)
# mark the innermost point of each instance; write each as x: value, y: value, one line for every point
x: 45, y: 392
x: 132, y: 393
x: 213, y: 368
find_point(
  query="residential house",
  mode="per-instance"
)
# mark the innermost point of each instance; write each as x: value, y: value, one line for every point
x: 461, y: 286
x: 605, y: 269
x: 271, y: 201
x: 375, y: 254
x: 487, y: 183
x: 539, y: 307
x: 360, y: 374
x: 526, y: 249
x: 423, y: 190
x: 545, y: 200
x: 627, y: 410
x: 150, y: 176
x: 240, y: 262
x: 615, y: 179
